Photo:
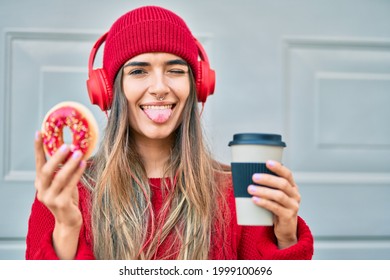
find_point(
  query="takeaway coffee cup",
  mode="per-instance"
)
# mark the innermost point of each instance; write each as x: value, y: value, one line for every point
x: 250, y: 151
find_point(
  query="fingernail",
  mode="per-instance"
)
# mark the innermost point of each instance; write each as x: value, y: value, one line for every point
x: 252, y: 189
x: 255, y: 198
x: 82, y: 164
x: 76, y: 155
x: 271, y: 163
x: 257, y: 176
x: 63, y: 148
x: 36, y: 135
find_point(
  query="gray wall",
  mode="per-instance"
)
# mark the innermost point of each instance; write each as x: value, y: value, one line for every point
x: 317, y: 72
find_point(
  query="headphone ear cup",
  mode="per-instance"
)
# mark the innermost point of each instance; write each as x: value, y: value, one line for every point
x: 99, y: 91
x: 205, y: 83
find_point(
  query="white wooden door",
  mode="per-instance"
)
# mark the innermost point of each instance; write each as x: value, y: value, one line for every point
x: 315, y: 71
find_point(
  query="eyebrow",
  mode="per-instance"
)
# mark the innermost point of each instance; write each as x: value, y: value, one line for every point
x: 137, y: 63
x: 177, y: 61
x: 145, y: 64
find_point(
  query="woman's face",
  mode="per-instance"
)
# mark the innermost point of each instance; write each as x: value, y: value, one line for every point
x: 156, y: 86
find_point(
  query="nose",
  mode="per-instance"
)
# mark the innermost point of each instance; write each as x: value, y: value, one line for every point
x: 158, y: 86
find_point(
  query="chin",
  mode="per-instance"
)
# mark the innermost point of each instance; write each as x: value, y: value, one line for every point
x: 159, y: 133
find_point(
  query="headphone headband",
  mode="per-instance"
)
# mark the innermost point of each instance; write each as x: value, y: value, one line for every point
x: 94, y: 51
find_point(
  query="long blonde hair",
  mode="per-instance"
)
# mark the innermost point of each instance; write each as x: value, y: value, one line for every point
x: 124, y: 225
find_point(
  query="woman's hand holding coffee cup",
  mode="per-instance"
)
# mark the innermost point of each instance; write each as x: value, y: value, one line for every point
x: 280, y: 195
x: 264, y: 189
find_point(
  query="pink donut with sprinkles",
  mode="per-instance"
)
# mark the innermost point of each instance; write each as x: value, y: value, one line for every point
x: 78, y: 119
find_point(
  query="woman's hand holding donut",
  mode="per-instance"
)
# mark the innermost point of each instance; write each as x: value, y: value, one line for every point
x: 280, y: 195
x: 58, y: 192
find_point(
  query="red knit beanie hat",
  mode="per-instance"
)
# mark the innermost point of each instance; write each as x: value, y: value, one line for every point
x: 148, y: 29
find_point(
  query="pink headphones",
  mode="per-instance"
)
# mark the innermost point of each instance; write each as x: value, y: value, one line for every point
x: 101, y: 93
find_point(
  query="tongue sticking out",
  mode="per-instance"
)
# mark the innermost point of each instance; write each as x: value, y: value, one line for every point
x: 158, y: 115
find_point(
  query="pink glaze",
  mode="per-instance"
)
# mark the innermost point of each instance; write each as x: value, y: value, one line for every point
x: 54, y: 126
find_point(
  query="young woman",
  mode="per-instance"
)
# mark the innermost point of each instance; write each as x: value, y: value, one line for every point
x: 153, y: 191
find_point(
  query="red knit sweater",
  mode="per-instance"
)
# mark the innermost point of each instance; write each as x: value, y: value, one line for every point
x: 241, y: 242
